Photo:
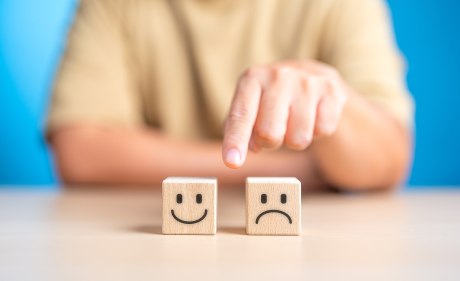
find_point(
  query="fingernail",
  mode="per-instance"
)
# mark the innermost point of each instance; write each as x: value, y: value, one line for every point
x: 233, y: 157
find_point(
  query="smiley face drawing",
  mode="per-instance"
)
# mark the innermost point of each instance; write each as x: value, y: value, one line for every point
x: 189, y: 205
x: 273, y: 206
x: 199, y: 200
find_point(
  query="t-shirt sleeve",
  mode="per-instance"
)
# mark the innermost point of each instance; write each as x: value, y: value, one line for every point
x: 94, y: 83
x: 359, y: 43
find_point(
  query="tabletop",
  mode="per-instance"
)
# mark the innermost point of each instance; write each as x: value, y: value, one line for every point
x: 102, y: 233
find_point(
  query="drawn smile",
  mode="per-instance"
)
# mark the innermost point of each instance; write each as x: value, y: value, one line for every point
x: 273, y: 211
x: 190, y: 222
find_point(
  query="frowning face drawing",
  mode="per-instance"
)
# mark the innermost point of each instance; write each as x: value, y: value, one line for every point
x: 273, y: 206
x: 264, y: 200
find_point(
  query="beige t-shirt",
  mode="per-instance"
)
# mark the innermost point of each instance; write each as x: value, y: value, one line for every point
x: 174, y: 65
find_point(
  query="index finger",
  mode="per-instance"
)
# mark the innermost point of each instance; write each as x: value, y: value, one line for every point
x: 240, y: 121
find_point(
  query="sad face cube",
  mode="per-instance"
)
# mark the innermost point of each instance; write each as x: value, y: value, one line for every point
x: 273, y: 206
x: 189, y: 205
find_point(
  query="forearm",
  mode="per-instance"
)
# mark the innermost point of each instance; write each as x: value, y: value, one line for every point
x: 369, y: 150
x: 85, y: 154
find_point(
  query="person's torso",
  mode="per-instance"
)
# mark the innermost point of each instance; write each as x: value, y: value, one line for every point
x: 187, y: 55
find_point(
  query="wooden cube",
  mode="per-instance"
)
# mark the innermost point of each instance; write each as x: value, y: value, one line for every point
x: 273, y: 206
x: 189, y: 205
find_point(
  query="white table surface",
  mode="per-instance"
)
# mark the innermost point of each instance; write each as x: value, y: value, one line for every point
x: 105, y: 234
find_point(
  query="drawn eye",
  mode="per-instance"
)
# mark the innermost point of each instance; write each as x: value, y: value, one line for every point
x: 283, y: 198
x: 179, y: 198
x: 199, y: 198
x: 263, y: 198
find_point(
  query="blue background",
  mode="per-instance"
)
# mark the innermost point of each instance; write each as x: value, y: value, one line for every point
x: 32, y: 36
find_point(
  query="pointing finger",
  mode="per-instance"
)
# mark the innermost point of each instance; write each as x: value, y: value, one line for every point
x: 240, y: 121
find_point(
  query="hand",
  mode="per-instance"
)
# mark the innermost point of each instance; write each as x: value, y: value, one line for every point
x: 285, y: 103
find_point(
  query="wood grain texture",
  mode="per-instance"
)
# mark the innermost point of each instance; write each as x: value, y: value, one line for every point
x: 189, y: 205
x: 273, y: 206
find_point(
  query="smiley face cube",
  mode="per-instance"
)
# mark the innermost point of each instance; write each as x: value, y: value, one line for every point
x: 272, y: 206
x: 189, y: 205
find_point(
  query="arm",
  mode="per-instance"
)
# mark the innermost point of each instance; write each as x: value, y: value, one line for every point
x: 96, y: 122
x: 95, y: 154
x: 357, y: 145
x: 369, y: 150
x: 351, y: 111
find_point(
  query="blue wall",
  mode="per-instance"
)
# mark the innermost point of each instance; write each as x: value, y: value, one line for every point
x: 32, y: 35
x: 428, y: 34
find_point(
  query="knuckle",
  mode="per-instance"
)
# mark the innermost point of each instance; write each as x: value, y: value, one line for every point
x: 299, y: 144
x: 341, y: 97
x: 325, y: 129
x: 336, y: 92
x: 251, y: 73
x: 313, y: 86
x: 240, y: 115
x: 304, y: 84
x: 268, y: 137
x: 244, y: 81
x: 328, y: 130
x: 281, y: 73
